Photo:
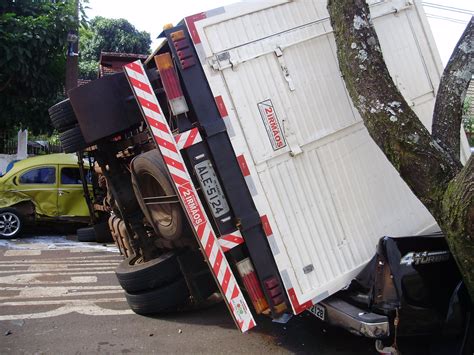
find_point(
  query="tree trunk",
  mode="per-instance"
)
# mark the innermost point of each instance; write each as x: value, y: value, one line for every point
x: 423, y: 164
x: 458, y: 221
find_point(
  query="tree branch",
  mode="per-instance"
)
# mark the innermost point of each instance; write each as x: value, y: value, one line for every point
x: 421, y: 162
x: 447, y: 116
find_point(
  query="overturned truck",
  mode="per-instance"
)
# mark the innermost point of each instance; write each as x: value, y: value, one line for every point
x: 236, y: 163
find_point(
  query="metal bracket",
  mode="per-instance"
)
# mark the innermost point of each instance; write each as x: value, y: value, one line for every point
x: 284, y: 69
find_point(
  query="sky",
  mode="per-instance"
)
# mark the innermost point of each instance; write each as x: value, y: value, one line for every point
x: 151, y: 15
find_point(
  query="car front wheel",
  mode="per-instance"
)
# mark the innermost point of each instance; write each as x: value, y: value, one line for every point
x: 11, y: 223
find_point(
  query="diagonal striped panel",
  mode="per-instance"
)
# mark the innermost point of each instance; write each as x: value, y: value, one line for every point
x: 231, y: 240
x: 188, y: 138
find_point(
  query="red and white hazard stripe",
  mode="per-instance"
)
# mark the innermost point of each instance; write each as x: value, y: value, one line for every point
x: 188, y: 138
x: 165, y: 142
x: 246, y: 173
x: 230, y: 241
x: 224, y: 115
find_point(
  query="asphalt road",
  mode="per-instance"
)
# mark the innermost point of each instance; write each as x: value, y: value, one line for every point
x: 60, y: 296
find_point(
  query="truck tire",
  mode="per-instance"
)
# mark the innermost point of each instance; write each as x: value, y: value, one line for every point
x: 11, y: 223
x: 72, y: 140
x: 62, y: 116
x: 102, y: 233
x: 135, y: 277
x: 86, y: 234
x: 166, y: 298
x: 150, y: 178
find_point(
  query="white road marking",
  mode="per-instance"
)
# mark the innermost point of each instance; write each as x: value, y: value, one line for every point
x: 22, y: 252
x: 10, y: 278
x: 60, y: 262
x: 48, y: 295
x: 70, y: 288
x: 86, y: 308
x: 89, y: 257
x: 72, y: 271
x: 32, y: 278
x: 60, y: 282
x: 42, y: 268
x: 67, y: 302
x: 91, y: 250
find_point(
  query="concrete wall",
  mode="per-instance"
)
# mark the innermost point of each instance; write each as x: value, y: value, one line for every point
x: 21, y: 152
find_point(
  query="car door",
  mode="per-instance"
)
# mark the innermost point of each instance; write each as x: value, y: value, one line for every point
x: 41, y: 184
x: 71, y: 201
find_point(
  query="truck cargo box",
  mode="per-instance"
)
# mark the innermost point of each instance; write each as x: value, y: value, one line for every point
x: 324, y: 190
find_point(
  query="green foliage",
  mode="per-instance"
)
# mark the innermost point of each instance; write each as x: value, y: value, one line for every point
x: 32, y: 60
x: 88, y: 70
x: 112, y: 35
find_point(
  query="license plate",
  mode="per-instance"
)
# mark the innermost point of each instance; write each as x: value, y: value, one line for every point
x: 318, y: 310
x: 211, y: 188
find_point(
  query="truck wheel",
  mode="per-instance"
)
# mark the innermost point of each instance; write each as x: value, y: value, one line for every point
x: 166, y: 298
x: 86, y: 234
x: 62, y: 116
x: 135, y: 276
x: 102, y: 233
x: 150, y: 179
x: 11, y: 223
x: 72, y: 140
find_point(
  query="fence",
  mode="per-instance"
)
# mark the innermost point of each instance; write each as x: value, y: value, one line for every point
x: 9, y: 145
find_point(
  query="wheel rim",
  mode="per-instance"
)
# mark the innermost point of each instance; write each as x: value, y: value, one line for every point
x: 161, y: 214
x: 9, y: 224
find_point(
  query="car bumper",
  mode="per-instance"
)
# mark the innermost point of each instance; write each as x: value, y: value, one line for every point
x: 356, y: 320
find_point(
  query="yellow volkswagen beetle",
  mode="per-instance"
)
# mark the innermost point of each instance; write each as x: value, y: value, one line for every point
x: 42, y: 188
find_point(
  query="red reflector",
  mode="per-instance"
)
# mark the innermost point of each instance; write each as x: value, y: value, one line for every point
x: 181, y: 45
x: 271, y: 282
x: 186, y: 63
x: 278, y: 299
x: 274, y: 292
x: 185, y: 53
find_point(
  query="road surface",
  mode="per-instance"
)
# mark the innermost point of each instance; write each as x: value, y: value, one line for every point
x: 60, y: 296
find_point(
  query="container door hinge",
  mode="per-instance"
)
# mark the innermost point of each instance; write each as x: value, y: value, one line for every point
x: 223, y: 61
x: 291, y: 139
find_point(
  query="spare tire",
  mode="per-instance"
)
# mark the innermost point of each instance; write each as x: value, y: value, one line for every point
x: 62, y: 116
x: 72, y: 140
x: 166, y: 298
x: 150, y: 179
x: 135, y: 277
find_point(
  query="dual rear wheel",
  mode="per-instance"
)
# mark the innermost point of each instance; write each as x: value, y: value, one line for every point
x: 154, y: 286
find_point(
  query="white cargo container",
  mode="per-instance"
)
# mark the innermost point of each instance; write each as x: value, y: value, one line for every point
x: 327, y: 190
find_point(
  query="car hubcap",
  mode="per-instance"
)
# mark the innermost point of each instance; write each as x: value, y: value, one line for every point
x: 9, y: 224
